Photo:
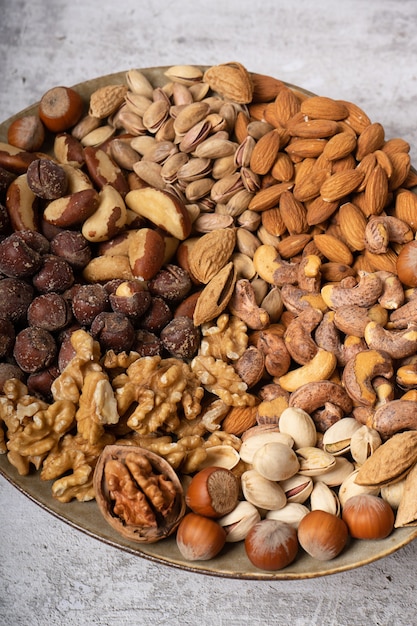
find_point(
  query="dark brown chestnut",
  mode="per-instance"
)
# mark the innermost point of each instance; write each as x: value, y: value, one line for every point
x: 181, y: 338
x: 34, y: 349
x: 113, y: 331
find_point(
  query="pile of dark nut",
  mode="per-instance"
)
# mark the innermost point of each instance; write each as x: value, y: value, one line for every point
x: 44, y: 298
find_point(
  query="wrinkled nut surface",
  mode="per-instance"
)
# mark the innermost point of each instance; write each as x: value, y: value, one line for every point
x: 138, y: 493
x: 219, y: 254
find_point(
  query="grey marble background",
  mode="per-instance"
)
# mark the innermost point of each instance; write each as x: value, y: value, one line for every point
x: 362, y: 50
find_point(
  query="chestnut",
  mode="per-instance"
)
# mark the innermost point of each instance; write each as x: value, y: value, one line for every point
x: 55, y: 274
x: 49, y: 311
x: 200, y: 538
x: 271, y: 544
x: 181, y: 338
x: 15, y: 298
x: 322, y: 535
x: 113, y: 331
x: 34, y: 349
x: 213, y: 492
x: 368, y: 516
x: 88, y: 301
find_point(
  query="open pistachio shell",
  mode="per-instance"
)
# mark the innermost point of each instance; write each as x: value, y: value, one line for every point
x: 337, y: 437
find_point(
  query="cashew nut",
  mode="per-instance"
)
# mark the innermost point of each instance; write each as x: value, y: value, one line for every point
x: 397, y: 343
x: 297, y: 336
x: 314, y: 395
x: 394, y: 417
x: 365, y: 293
x: 392, y: 295
x: 328, y: 337
x: 243, y: 305
x: 359, y: 372
x: 296, y: 299
x: 321, y: 367
x: 353, y: 319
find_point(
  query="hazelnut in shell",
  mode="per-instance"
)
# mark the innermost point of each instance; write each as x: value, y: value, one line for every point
x: 322, y: 535
x: 271, y: 545
x: 368, y: 516
x: 200, y: 538
x: 213, y: 492
x: 60, y: 108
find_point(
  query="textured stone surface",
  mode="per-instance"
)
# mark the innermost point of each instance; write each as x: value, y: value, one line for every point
x: 363, y: 51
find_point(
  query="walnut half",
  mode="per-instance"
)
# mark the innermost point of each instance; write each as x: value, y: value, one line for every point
x: 138, y: 493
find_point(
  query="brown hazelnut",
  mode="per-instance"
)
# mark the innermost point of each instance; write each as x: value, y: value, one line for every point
x: 131, y: 298
x: 113, y: 331
x: 17, y: 259
x: 10, y: 370
x: 172, y: 283
x: 181, y: 338
x: 66, y: 350
x: 88, y: 301
x: 47, y: 179
x: 34, y: 349
x: 26, y: 132
x: 147, y: 343
x: 7, y: 337
x: 35, y: 240
x: 60, y: 108
x: 72, y: 246
x: 157, y: 316
x: 55, y: 274
x: 15, y: 298
x: 39, y: 383
x: 49, y: 311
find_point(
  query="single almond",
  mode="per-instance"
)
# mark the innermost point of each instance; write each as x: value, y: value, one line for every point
x: 341, y: 184
x: 211, y: 252
x: 293, y: 244
x: 268, y: 197
x: 239, y: 419
x: 376, y: 191
x: 339, y: 146
x: 352, y: 224
x: 293, y: 213
x: 333, y: 249
x: 318, y: 210
x: 215, y: 296
x: 273, y: 222
x: 401, y: 164
x: 356, y: 117
x: 265, y: 152
x: 406, y: 208
x: 313, y: 129
x: 371, y: 138
x: 305, y: 148
x: 286, y: 105
x: 322, y: 107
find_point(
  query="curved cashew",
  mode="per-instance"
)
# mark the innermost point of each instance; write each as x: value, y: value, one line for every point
x: 309, y: 275
x: 328, y: 337
x: 394, y: 417
x: 269, y: 266
x: 397, y: 343
x: 314, y: 395
x: 296, y: 299
x: 359, y: 372
x: 392, y: 295
x: 272, y: 345
x: 381, y: 230
x: 353, y: 319
x: 321, y: 367
x: 243, y: 304
x: 365, y: 293
x: 297, y: 336
x: 404, y: 315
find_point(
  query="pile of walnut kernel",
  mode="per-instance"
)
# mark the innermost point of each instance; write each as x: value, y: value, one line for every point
x: 173, y: 319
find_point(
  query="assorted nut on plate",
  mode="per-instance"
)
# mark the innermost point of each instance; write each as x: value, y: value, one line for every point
x: 208, y: 300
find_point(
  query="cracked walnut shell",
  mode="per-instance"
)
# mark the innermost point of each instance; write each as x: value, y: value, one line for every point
x: 138, y: 493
